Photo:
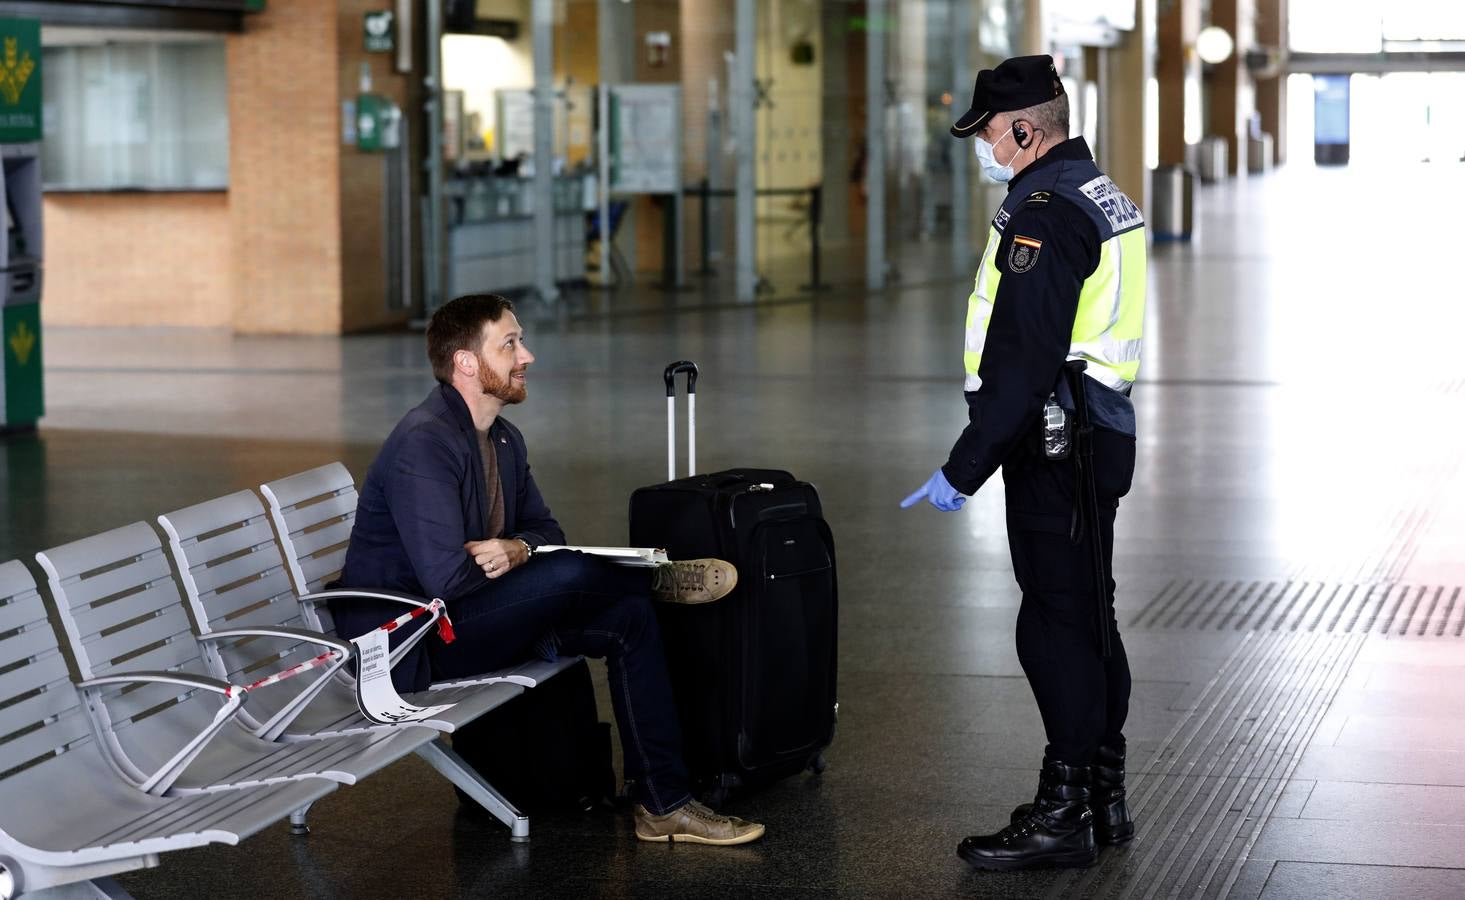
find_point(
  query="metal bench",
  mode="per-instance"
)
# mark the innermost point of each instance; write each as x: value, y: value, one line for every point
x: 169, y: 727
x: 232, y: 535
x: 313, y: 512
x: 67, y: 816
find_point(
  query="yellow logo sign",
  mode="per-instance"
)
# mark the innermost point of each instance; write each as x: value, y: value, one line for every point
x: 15, y: 71
x: 22, y: 341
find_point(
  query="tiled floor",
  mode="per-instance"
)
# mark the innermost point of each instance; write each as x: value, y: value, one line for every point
x: 1289, y: 563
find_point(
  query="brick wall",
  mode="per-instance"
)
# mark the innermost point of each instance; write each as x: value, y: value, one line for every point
x: 130, y: 259
x: 284, y: 170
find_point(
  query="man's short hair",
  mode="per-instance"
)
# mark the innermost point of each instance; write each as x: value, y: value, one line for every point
x: 458, y: 325
x: 1051, y: 118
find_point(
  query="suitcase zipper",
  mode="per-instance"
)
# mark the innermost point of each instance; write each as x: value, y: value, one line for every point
x: 771, y: 576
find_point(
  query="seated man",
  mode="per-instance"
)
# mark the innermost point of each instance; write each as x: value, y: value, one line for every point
x: 449, y: 509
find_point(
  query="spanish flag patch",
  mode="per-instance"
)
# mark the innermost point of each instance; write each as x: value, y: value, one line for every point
x: 1023, y: 254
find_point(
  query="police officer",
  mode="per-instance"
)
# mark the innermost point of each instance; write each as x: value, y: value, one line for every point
x: 1052, y: 350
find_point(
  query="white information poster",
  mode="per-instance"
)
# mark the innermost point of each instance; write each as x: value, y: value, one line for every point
x: 646, y: 138
x: 514, y: 130
x: 376, y: 697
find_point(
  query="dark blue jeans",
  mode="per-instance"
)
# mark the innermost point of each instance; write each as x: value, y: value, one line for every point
x: 588, y: 607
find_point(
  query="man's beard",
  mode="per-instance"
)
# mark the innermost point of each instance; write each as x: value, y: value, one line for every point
x: 508, y: 391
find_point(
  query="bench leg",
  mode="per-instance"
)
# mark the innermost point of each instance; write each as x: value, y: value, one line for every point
x: 96, y: 889
x: 297, y: 820
x: 441, y: 757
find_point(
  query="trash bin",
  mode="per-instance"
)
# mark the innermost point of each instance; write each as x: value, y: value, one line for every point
x: 1213, y: 160
x: 1259, y: 154
x: 1172, y: 209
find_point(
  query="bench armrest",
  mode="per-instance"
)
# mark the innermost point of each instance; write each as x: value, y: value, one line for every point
x: 282, y: 632
x: 182, y: 679
x: 159, y: 782
x: 315, y: 597
x: 272, y: 728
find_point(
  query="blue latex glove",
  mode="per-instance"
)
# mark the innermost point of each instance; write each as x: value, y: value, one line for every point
x: 939, y: 492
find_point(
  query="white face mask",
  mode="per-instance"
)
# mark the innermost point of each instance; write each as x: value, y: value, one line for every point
x: 988, y: 161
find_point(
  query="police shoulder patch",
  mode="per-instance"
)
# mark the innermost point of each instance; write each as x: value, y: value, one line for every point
x: 1023, y: 254
x: 1038, y: 198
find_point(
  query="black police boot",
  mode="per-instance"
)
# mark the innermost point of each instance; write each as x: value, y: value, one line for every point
x: 1058, y: 831
x: 1112, y: 824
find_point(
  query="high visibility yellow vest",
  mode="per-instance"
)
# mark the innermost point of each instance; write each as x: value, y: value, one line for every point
x: 1111, y: 305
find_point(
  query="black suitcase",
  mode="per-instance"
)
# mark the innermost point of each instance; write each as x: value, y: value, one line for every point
x: 753, y: 673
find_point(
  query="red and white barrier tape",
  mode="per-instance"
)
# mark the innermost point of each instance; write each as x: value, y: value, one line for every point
x: 444, y: 631
x: 327, y: 657
x: 444, y: 624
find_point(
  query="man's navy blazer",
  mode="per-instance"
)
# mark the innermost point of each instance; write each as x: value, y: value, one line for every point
x: 424, y: 497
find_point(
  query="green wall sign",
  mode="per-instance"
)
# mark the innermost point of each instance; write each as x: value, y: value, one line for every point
x: 20, y: 81
x: 20, y: 378
x: 380, y: 31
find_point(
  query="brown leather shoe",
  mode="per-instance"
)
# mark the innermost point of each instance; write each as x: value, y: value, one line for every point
x: 693, y: 580
x: 696, y: 824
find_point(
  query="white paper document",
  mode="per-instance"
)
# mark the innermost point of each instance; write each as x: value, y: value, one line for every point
x: 379, y: 701
x: 621, y: 556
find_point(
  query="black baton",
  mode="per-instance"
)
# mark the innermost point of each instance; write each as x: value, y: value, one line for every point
x: 1088, y: 496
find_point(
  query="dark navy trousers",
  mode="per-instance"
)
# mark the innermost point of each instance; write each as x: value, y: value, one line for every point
x: 582, y: 606
x: 1083, y: 698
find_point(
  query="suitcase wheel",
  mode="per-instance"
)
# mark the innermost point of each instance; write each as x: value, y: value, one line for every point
x: 818, y: 764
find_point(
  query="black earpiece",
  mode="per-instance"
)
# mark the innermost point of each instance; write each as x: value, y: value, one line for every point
x: 1020, y: 134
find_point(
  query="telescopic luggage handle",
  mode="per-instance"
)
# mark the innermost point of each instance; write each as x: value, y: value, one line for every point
x: 670, y: 375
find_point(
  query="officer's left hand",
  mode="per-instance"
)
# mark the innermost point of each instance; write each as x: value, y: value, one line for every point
x: 939, y: 492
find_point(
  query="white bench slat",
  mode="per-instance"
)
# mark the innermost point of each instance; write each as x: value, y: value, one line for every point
x: 201, y: 518
x: 254, y: 534
x: 171, y: 623
x: 320, y: 569
x: 22, y: 610
x: 281, y: 611
x: 53, y: 701
x: 15, y: 579
x: 35, y: 640
x: 171, y: 655
x: 94, y: 619
x: 45, y: 669
x: 324, y: 539
x: 221, y: 609
x: 326, y: 479
x: 123, y: 707
x: 146, y: 570
x: 254, y: 564
x: 65, y: 730
x: 99, y: 550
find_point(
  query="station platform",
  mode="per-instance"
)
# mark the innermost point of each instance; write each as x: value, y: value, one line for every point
x: 1289, y: 563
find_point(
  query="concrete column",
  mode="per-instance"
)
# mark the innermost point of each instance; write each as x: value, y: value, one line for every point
x: 962, y: 76
x: 875, y: 19
x: 1271, y: 93
x: 542, y: 24
x: 745, y: 134
x: 1125, y: 71
x: 835, y: 145
x: 1231, y: 92
x: 1178, y: 70
x: 1034, y: 28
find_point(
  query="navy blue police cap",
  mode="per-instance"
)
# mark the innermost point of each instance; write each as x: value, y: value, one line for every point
x: 1017, y: 83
